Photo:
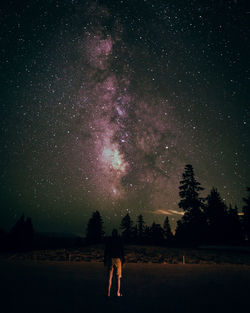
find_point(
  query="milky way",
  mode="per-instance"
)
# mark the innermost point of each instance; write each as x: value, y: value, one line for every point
x: 131, y: 140
x: 105, y: 102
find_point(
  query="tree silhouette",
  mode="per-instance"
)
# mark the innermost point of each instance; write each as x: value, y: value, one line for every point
x: 189, y: 191
x: 134, y: 236
x: 127, y: 228
x: 17, y: 233
x: 147, y: 235
x: 28, y: 233
x: 235, y: 233
x: 167, y: 229
x: 217, y: 218
x: 157, y: 236
x: 192, y: 225
x: 21, y: 234
x: 95, y: 231
x: 246, y: 216
x: 140, y: 227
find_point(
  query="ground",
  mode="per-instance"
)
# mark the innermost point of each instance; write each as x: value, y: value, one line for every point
x: 46, y: 286
x: 142, y: 254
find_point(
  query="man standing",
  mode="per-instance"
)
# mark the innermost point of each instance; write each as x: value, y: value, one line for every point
x: 114, y: 258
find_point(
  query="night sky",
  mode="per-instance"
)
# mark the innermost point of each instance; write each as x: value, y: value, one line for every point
x: 104, y: 102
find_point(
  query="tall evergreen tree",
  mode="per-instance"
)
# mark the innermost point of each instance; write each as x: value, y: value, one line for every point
x: 28, y: 233
x: 192, y: 225
x: 246, y: 216
x: 217, y: 218
x: 140, y: 227
x: 95, y: 231
x: 167, y: 229
x: 134, y: 235
x: 17, y: 234
x: 147, y: 235
x: 189, y: 191
x: 21, y: 234
x: 127, y: 228
x: 157, y: 235
x: 235, y: 233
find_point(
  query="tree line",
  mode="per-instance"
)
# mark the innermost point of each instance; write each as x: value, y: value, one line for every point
x: 131, y: 232
x: 205, y: 220
x: 20, y: 237
x: 209, y: 219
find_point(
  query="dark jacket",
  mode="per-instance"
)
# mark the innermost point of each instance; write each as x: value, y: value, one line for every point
x: 113, y: 249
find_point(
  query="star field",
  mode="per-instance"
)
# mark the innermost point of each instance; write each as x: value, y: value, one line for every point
x: 104, y: 102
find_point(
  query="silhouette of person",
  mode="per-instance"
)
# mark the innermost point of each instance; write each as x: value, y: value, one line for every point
x: 114, y: 258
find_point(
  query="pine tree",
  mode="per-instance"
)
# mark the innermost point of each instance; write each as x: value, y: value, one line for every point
x: 28, y: 233
x: 192, y: 225
x: 246, y: 216
x: 147, y: 235
x: 22, y: 234
x: 157, y: 236
x: 95, y: 231
x: 141, y: 227
x: 189, y: 191
x: 167, y: 229
x: 217, y: 218
x: 134, y: 235
x: 235, y: 233
x: 127, y: 228
x: 17, y: 234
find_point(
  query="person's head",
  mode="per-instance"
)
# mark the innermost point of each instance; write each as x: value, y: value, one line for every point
x: 114, y: 233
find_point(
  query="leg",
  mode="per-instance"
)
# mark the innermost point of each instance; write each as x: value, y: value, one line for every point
x: 110, y: 282
x: 118, y: 286
x: 119, y: 275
